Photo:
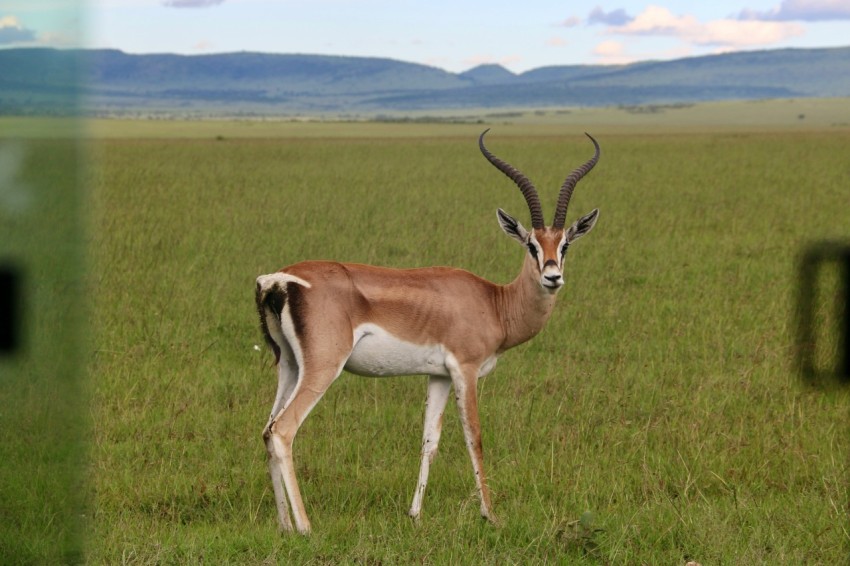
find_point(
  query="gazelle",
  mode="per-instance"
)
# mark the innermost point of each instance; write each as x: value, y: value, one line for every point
x: 321, y: 317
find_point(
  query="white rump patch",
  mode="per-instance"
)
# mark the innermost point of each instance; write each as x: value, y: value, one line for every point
x: 266, y: 281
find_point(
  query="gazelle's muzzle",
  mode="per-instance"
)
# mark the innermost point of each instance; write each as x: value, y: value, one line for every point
x: 551, y: 276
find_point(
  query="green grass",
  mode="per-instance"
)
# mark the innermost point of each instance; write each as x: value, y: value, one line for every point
x: 43, y: 414
x: 660, y: 398
x: 802, y: 114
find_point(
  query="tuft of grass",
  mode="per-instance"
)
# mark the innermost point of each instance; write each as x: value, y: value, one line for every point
x: 661, y: 395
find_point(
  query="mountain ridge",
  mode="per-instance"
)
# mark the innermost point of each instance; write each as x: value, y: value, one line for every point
x: 33, y: 80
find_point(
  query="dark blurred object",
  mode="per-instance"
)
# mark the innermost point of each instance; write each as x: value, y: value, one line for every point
x: 813, y: 267
x: 10, y: 311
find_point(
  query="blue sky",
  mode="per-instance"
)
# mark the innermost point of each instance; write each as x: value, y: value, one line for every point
x: 453, y: 35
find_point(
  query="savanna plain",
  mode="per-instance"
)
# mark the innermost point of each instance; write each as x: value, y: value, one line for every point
x: 657, y: 419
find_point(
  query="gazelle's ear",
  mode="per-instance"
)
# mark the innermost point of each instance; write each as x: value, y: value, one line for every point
x: 582, y: 226
x: 511, y: 227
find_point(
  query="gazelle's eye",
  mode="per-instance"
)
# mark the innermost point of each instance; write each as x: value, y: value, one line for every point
x: 533, y: 249
x: 564, y: 249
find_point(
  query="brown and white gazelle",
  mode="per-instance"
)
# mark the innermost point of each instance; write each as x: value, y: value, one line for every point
x: 321, y: 317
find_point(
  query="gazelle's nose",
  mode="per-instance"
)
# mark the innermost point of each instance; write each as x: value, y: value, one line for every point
x: 553, y: 281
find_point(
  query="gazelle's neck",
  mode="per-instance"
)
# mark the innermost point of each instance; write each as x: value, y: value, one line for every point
x: 525, y: 306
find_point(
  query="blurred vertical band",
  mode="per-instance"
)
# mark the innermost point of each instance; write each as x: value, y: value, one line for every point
x: 10, y: 318
x: 813, y: 264
x: 43, y: 355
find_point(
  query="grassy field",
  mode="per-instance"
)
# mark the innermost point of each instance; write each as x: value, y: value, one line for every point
x: 42, y: 409
x: 803, y: 114
x: 656, y: 420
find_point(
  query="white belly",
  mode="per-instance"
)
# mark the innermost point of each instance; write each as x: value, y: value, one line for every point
x: 378, y: 353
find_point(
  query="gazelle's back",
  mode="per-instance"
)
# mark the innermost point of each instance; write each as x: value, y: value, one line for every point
x: 426, y: 306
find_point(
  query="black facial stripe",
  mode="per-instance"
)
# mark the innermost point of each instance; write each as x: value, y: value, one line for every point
x: 564, y: 251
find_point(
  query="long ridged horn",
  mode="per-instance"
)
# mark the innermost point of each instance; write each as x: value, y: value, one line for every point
x: 570, y: 184
x: 524, y: 184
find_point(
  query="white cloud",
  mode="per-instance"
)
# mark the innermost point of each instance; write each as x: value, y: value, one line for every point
x: 735, y: 33
x: 556, y: 42
x: 612, y: 53
x: 11, y: 31
x: 58, y: 39
x: 617, y: 53
x: 657, y: 20
x: 730, y: 33
x: 802, y: 10
x: 191, y: 3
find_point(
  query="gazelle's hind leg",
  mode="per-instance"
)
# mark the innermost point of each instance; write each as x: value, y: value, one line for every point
x: 282, y: 431
x: 438, y: 394
x: 287, y: 377
x: 465, y: 379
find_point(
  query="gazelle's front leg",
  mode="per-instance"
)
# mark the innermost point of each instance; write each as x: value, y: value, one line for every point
x: 465, y: 379
x: 438, y: 394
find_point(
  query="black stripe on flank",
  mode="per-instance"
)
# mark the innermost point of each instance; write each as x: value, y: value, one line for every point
x: 295, y: 298
x: 271, y: 300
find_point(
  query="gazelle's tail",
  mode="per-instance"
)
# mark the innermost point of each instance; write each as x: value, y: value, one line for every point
x: 271, y: 296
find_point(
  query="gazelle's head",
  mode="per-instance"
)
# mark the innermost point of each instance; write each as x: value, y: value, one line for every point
x: 546, y: 245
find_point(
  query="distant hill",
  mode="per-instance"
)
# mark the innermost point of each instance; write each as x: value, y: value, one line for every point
x: 35, y: 80
x: 489, y: 75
